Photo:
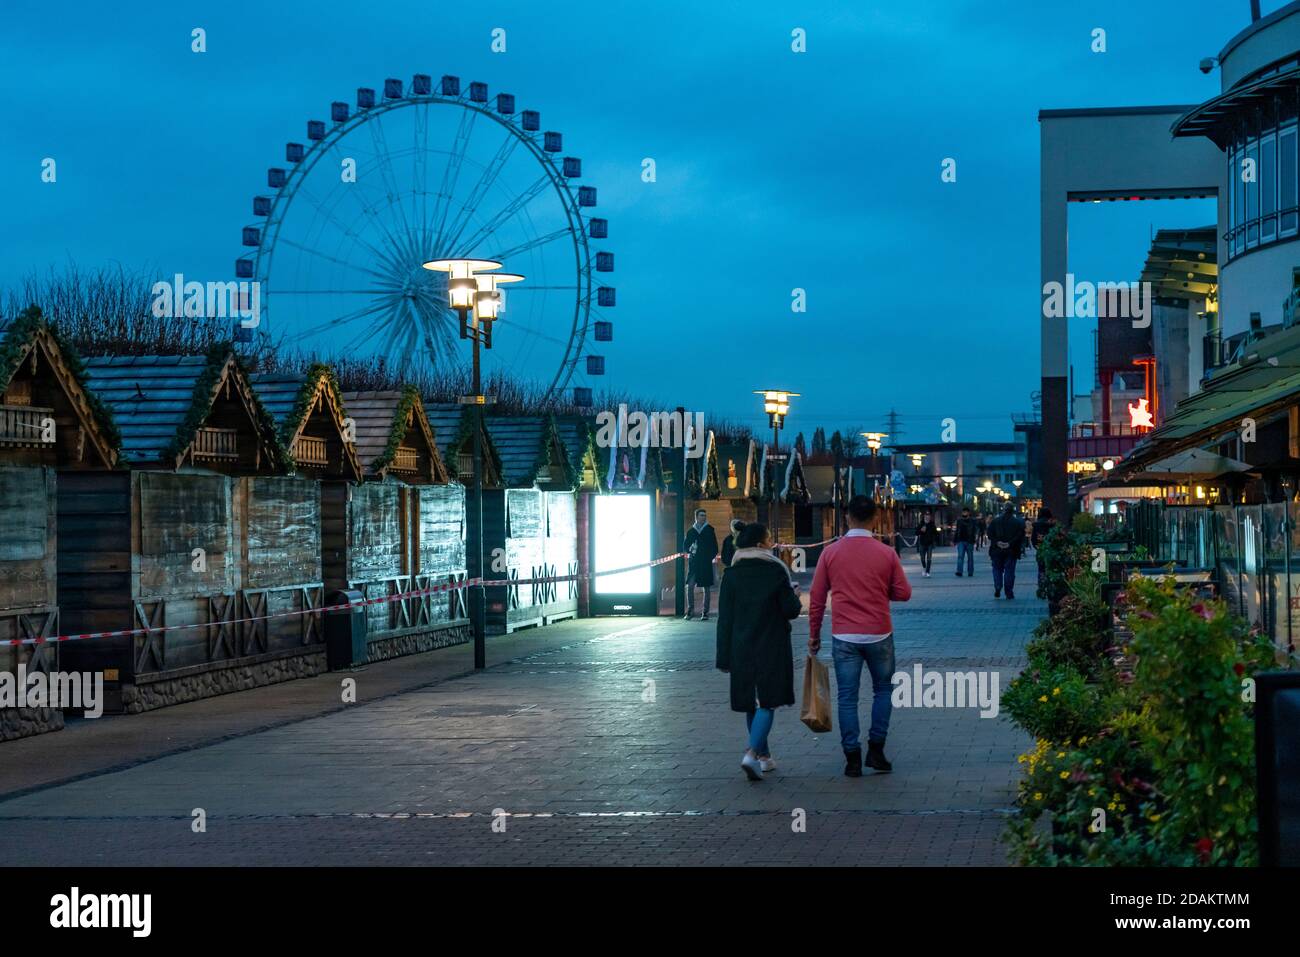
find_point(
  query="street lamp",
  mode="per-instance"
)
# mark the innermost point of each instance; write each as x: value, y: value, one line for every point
x: 473, y: 291
x: 874, y: 441
x: 776, y: 403
x: 917, y: 459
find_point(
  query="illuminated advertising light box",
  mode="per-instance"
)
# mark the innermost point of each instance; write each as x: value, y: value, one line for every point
x: 622, y: 531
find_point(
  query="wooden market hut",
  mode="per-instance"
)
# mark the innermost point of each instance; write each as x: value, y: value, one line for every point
x: 312, y: 422
x: 402, y: 530
x: 533, y: 519
x: 49, y: 423
x: 814, y: 520
x: 205, y: 538
x: 791, y: 492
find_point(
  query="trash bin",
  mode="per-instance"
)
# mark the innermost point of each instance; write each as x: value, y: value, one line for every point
x: 345, y: 631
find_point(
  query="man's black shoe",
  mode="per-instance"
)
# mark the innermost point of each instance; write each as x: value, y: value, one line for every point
x: 1010, y: 596
x: 853, y: 763
x: 876, y: 757
x: 997, y: 593
x: 959, y: 574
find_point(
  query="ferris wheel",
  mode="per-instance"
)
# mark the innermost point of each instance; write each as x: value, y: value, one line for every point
x: 414, y: 174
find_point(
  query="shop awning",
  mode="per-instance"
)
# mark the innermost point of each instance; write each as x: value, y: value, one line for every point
x: 1215, y: 117
x: 1188, y: 465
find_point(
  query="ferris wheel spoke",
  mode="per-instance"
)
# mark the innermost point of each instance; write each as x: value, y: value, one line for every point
x: 359, y: 187
x: 340, y: 321
x: 343, y: 227
x: 485, y: 181
x: 512, y: 209
x: 537, y: 334
x: 451, y: 174
x: 533, y: 243
x: 333, y: 259
x: 386, y: 171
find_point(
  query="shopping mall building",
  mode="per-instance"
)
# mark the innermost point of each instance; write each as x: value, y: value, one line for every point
x: 1218, y: 368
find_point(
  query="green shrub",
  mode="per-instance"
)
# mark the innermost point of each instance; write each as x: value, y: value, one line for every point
x: 1055, y: 702
x: 1194, y: 671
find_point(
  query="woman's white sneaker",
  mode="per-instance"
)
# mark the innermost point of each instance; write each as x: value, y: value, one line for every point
x: 751, y: 766
x: 768, y: 763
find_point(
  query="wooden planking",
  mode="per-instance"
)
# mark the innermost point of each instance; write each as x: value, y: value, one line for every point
x: 335, y: 499
x: 375, y: 532
x: 178, y: 513
x: 282, y: 527
x: 442, y: 529
x: 28, y: 549
x: 95, y: 562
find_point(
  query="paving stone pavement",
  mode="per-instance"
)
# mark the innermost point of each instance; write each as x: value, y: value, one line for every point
x: 612, y: 745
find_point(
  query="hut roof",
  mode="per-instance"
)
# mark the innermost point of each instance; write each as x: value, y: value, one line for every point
x: 452, y: 423
x: 29, y: 330
x: 380, y: 420
x: 576, y: 437
x: 162, y: 402
x: 528, y: 446
x: 291, y: 397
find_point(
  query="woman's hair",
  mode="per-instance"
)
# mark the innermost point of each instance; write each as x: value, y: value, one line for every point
x: 736, y: 525
x: 751, y: 536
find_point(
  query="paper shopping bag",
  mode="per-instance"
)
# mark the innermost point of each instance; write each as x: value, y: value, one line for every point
x: 815, y: 711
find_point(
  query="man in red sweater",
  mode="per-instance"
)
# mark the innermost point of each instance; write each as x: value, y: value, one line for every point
x: 862, y: 576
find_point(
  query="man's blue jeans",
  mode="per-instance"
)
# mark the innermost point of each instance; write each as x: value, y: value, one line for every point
x: 1004, y: 572
x: 967, y: 549
x: 848, y: 657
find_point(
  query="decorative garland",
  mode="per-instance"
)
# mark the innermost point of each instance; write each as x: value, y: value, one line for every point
x: 205, y: 388
x: 13, y: 350
x: 306, y: 396
x: 551, y: 437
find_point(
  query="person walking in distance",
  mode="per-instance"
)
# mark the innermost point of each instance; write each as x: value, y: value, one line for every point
x: 926, y: 537
x: 1006, y: 542
x: 981, y: 532
x: 861, y: 575
x: 755, y: 605
x: 701, y: 546
x: 966, y: 535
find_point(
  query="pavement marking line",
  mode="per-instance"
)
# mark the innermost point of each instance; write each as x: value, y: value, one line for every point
x: 628, y: 631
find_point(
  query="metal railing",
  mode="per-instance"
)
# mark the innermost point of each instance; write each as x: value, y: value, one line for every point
x: 25, y: 425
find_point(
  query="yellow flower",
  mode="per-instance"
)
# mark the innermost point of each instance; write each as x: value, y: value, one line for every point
x: 1042, y: 697
x: 1038, y: 795
x: 1084, y: 739
x: 1055, y: 692
x: 1096, y: 760
x: 1064, y: 774
x: 1021, y: 759
x: 1092, y: 792
x: 1110, y: 806
x: 1060, y: 754
x: 1154, y: 817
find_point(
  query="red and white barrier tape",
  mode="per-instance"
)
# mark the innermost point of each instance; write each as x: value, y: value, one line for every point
x: 402, y: 596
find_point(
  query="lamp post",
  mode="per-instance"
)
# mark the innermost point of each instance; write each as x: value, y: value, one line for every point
x: 776, y: 403
x: 874, y: 441
x: 478, y: 300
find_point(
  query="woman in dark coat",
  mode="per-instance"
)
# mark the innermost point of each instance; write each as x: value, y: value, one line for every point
x: 757, y: 602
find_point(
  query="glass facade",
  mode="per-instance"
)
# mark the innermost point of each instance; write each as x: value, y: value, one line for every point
x: 1263, y: 196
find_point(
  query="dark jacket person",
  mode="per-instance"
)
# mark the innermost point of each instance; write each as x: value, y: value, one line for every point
x: 755, y: 606
x: 701, y: 542
x: 1006, y: 542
